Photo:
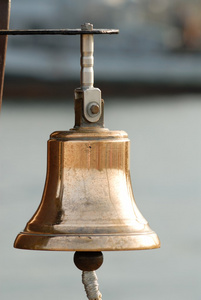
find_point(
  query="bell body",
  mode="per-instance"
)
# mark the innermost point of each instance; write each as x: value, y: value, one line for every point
x: 88, y: 203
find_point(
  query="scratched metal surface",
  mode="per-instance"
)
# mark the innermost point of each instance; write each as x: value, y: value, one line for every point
x: 166, y: 176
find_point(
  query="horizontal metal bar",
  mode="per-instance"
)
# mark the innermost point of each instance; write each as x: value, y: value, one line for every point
x: 57, y: 31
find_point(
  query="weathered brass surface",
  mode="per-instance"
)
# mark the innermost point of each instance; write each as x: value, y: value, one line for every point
x: 88, y: 204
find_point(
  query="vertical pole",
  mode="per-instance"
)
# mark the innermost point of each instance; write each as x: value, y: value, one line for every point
x: 4, y: 24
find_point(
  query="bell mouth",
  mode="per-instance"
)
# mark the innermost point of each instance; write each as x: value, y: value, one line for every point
x: 101, y: 242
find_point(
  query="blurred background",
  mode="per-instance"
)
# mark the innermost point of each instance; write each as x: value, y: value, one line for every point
x: 158, y: 48
x: 150, y: 77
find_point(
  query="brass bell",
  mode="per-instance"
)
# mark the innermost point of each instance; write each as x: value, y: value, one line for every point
x: 88, y: 203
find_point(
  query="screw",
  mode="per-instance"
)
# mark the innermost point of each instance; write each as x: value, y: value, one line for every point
x: 95, y: 109
x: 87, y: 26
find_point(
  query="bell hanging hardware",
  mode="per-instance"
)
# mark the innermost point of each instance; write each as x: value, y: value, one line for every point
x: 87, y: 204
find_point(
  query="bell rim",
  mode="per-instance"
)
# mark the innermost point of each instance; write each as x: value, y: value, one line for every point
x: 100, y: 242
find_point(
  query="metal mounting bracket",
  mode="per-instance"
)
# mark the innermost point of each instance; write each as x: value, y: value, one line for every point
x: 92, y: 104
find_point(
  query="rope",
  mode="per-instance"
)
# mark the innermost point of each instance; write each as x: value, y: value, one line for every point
x: 90, y: 281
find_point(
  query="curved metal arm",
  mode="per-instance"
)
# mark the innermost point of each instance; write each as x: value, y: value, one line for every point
x: 4, y: 24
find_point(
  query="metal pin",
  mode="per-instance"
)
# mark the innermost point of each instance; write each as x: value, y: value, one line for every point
x: 87, y: 58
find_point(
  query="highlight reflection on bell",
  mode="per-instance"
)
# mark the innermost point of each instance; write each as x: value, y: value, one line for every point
x: 88, y: 204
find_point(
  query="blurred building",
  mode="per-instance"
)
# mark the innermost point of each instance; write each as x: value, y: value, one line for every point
x: 159, y: 40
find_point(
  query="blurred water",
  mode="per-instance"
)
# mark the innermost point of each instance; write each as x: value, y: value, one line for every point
x: 166, y: 176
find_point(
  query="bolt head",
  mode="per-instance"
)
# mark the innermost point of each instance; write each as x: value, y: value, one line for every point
x: 95, y: 109
x: 87, y: 26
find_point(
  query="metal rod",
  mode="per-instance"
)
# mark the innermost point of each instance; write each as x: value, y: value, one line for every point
x: 57, y: 31
x: 87, y: 57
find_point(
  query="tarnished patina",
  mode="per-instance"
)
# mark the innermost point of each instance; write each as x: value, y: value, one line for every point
x: 88, y: 204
